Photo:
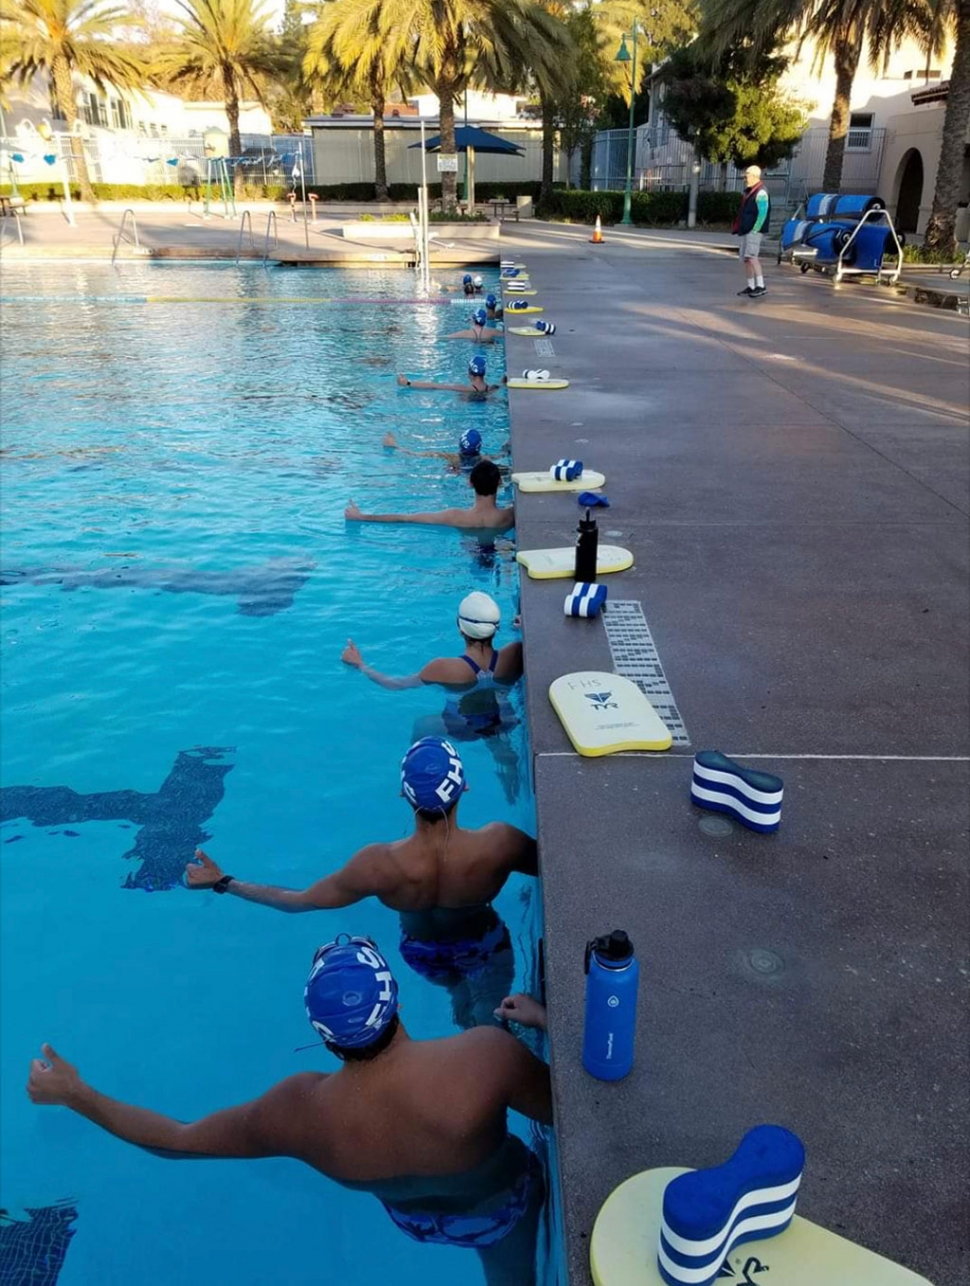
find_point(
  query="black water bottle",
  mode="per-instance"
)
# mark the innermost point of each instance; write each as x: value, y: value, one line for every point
x: 587, y: 543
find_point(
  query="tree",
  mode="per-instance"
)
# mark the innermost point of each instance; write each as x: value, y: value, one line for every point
x: 940, y: 231
x: 64, y: 38
x: 365, y: 76
x: 222, y: 47
x: 836, y: 27
x: 732, y: 112
x: 291, y: 103
x: 450, y: 44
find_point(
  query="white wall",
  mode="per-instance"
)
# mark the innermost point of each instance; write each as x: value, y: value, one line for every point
x: 491, y: 107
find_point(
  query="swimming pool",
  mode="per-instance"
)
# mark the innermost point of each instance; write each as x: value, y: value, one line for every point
x: 179, y: 583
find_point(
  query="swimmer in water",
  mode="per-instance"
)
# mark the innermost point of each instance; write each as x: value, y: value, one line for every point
x: 477, y: 706
x: 467, y: 456
x: 480, y: 665
x: 493, y: 309
x: 441, y: 879
x: 480, y: 332
x: 419, y: 1124
x: 477, y: 387
x: 485, y: 515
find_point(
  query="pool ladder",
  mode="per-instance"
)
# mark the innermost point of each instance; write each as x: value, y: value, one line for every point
x: 124, y: 237
x: 246, y: 226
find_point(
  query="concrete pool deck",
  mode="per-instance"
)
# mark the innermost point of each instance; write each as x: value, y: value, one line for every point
x: 792, y: 476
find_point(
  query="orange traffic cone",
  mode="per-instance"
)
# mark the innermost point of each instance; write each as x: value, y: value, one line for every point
x: 597, y: 238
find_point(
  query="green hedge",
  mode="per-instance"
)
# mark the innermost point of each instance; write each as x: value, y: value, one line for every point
x: 357, y: 192
x: 717, y: 207
x: 646, y: 207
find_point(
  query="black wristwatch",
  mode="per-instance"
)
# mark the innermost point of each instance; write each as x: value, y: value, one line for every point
x: 222, y: 884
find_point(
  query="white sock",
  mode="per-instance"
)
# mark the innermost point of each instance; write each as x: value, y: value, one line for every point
x: 759, y: 281
x: 751, y: 283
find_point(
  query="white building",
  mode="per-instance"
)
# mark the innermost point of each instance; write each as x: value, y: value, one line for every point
x: 129, y: 135
x: 474, y: 104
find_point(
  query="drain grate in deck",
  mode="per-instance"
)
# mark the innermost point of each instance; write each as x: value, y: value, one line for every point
x: 635, y: 657
x: 544, y: 348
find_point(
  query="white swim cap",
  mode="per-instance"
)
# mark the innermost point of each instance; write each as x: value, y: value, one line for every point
x: 478, y: 615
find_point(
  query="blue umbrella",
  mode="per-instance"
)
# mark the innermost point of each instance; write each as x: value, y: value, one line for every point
x: 471, y: 138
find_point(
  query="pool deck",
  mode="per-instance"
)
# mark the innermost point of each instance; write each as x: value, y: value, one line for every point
x: 792, y: 476
x: 172, y: 231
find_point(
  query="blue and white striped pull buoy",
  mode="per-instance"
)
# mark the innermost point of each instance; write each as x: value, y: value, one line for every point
x: 535, y: 376
x: 516, y: 305
x: 752, y: 797
x: 585, y: 599
x: 706, y: 1213
x: 514, y: 287
x: 545, y: 328
x: 566, y: 470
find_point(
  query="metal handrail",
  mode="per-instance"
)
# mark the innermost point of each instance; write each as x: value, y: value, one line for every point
x: 879, y: 214
x: 270, y: 224
x: 120, y: 236
x: 247, y: 218
x: 418, y: 246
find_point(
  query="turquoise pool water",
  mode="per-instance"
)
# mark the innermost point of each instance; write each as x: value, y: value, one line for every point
x: 178, y: 584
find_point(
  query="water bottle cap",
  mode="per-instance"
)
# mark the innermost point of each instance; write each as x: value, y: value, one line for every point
x: 588, y: 523
x: 612, y: 948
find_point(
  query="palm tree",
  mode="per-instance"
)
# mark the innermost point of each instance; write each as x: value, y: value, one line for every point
x: 940, y: 229
x: 225, y: 47
x: 366, y: 76
x: 61, y: 38
x: 448, y: 43
x: 836, y: 27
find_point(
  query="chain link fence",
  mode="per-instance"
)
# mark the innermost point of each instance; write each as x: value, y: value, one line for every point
x: 126, y: 158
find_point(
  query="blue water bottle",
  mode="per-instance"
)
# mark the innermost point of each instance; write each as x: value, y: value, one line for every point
x: 612, y: 979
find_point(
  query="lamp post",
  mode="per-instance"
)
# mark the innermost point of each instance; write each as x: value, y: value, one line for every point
x: 623, y: 56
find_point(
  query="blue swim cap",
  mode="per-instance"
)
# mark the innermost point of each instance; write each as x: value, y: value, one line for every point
x: 467, y: 279
x: 470, y: 442
x: 432, y: 776
x: 517, y: 305
x: 490, y: 301
x: 477, y: 365
x: 480, y: 317
x: 350, y: 995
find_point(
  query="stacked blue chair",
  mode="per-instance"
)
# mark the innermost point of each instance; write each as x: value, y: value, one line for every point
x: 706, y: 1213
x: 751, y: 797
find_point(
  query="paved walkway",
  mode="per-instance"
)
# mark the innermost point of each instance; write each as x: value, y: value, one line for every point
x: 792, y: 475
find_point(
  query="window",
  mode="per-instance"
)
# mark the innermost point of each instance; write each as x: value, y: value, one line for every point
x: 120, y: 114
x: 933, y: 73
x: 163, y: 129
x: 859, y: 137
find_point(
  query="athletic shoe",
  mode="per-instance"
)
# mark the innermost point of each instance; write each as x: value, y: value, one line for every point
x: 747, y: 292
x: 758, y: 292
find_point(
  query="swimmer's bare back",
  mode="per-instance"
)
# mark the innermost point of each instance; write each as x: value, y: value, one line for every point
x: 440, y: 865
x: 420, y: 1108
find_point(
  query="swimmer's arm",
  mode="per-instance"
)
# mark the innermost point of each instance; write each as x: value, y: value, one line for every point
x: 264, y: 1127
x: 449, y: 388
x: 441, y: 518
x: 525, y: 852
x: 524, y: 1077
x: 388, y: 681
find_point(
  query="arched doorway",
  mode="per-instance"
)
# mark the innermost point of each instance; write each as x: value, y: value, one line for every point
x: 910, y: 192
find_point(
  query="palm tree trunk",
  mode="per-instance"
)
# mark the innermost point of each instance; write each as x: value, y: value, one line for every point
x: 548, y: 146
x: 940, y: 229
x: 445, y: 90
x: 380, y: 155
x: 64, y: 89
x: 232, y: 115
x: 847, y: 53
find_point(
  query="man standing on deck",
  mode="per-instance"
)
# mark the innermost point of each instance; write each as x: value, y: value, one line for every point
x: 422, y: 1125
x: 750, y: 225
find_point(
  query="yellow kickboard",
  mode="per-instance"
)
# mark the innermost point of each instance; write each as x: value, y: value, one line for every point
x: 518, y: 312
x: 548, y: 385
x: 623, y: 1248
x: 518, y: 294
x: 590, y: 480
x: 555, y: 564
x: 603, y: 714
